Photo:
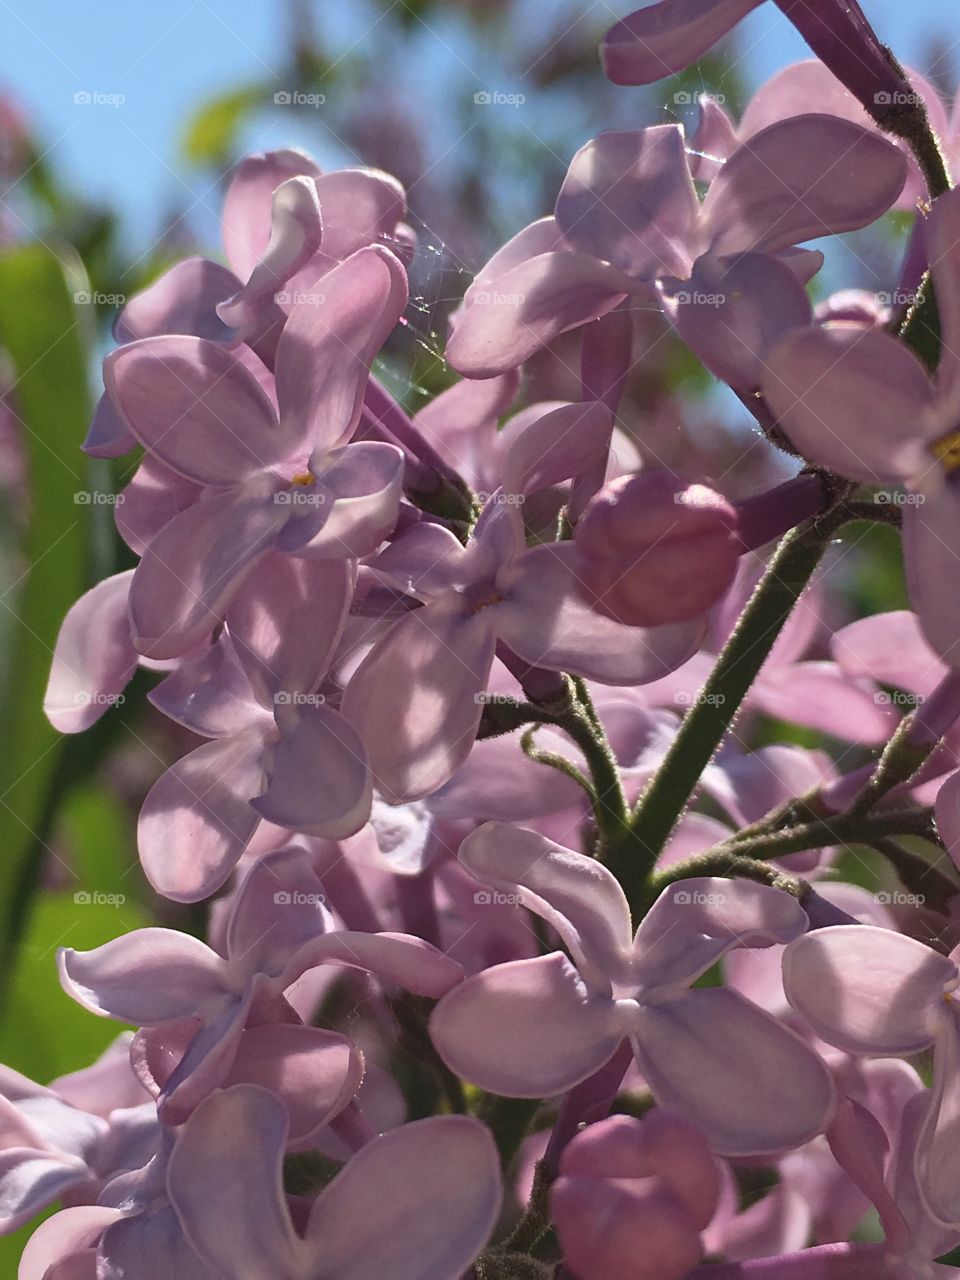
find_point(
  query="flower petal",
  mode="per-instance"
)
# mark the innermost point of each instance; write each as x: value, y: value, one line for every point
x: 224, y: 1181
x: 195, y: 407
x: 197, y: 818
x: 628, y: 199
x: 356, y: 501
x: 546, y: 621
x: 747, y: 1082
x: 808, y: 176
x: 183, y: 301
x: 327, y: 347
x: 528, y: 307
x: 315, y: 1073
x: 574, y: 893
x: 696, y: 921
x: 415, y: 698
x: 145, y: 977
x: 526, y: 1029
x: 396, y: 958
x: 287, y: 622
x: 379, y: 1216
x: 667, y: 37
x: 931, y: 543
x: 843, y: 395
x: 66, y: 1232
x: 317, y: 776
x: 867, y: 990
x: 192, y: 568
x: 94, y: 657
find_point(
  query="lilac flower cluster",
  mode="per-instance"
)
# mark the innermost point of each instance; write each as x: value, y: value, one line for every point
x: 523, y: 963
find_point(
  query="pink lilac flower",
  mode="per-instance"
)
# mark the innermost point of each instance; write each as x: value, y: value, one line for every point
x: 187, y: 996
x: 534, y: 1028
x: 416, y: 699
x: 292, y: 481
x: 224, y: 1182
x: 623, y: 1181
x: 628, y: 217
x: 858, y: 401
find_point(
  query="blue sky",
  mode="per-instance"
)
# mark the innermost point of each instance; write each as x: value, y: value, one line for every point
x: 164, y: 59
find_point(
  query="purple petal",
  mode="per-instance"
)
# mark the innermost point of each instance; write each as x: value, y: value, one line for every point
x: 287, y: 622
x: 628, y: 199
x: 931, y: 535
x: 732, y: 312
x: 938, y: 1150
x: 822, y: 696
x: 558, y: 446
x: 192, y: 568
x: 30, y: 1181
x: 315, y: 1073
x: 94, y: 657
x: 528, y: 307
x: 197, y: 818
x: 153, y: 497
x: 356, y: 499
x: 843, y: 395
x: 809, y: 176
x: 867, y: 990
x: 947, y: 810
x: 279, y: 906
x: 890, y: 649
x: 574, y: 893
x: 695, y: 922
x: 379, y: 1216
x: 395, y: 958
x: 66, y: 1232
x: 498, y: 781
x: 150, y: 1246
x: 108, y: 435
x: 327, y: 346
x: 196, y: 408
x: 182, y: 301
x: 747, y: 1082
x: 317, y: 776
x: 224, y: 1181
x: 295, y: 233
x: 145, y: 977
x: 247, y: 206
x: 415, y: 698
x: 667, y: 37
x: 359, y: 206
x: 526, y: 1029
x: 545, y: 620
x: 210, y: 695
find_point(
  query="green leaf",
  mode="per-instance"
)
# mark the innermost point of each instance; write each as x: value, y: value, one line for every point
x: 39, y: 330
x: 211, y: 135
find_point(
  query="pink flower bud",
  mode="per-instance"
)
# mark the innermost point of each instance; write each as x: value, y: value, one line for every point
x: 657, y: 550
x: 633, y: 1197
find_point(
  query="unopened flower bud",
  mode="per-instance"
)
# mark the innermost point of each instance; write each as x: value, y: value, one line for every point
x: 657, y: 550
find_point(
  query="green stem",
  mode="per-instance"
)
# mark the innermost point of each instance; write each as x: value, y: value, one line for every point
x: 713, y: 712
x: 845, y: 828
x: 899, y: 761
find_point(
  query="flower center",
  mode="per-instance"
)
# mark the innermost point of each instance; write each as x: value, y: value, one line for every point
x: 947, y: 451
x: 302, y: 478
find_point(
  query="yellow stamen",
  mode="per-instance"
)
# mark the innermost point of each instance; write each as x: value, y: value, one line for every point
x: 302, y: 478
x: 947, y: 451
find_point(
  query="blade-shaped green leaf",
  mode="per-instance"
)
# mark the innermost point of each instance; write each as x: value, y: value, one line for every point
x: 41, y: 336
